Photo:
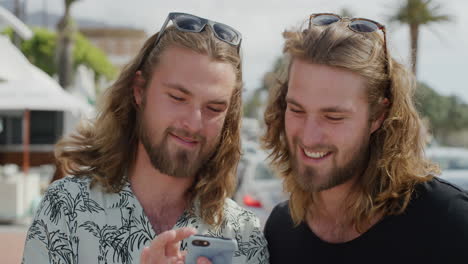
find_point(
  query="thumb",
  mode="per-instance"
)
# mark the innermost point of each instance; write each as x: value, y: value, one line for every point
x: 203, y: 260
x: 144, y: 259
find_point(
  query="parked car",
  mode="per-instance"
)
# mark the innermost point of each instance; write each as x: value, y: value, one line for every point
x: 453, y: 162
x: 259, y: 189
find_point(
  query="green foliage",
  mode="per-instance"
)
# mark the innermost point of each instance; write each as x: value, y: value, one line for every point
x: 420, y: 12
x: 417, y: 13
x: 446, y: 114
x: 88, y: 54
x: 40, y: 51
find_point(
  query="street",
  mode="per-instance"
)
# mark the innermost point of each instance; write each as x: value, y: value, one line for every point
x: 11, y: 243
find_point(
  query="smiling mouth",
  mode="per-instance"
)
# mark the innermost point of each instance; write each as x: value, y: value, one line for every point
x: 316, y: 155
x: 184, y: 139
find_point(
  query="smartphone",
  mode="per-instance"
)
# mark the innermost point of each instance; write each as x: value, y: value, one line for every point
x: 217, y: 250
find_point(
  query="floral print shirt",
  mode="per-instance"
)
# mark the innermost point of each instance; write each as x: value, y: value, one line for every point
x: 78, y: 224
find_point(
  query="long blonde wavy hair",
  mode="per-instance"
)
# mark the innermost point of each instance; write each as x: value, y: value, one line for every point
x: 105, y: 148
x: 397, y: 162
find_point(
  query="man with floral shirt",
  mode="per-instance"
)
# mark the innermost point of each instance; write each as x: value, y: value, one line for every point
x: 161, y: 155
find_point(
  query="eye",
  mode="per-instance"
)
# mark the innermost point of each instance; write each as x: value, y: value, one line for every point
x: 332, y: 118
x: 215, y: 110
x: 180, y: 99
x: 297, y: 111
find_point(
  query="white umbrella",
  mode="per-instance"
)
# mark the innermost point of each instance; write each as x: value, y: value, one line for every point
x: 38, y: 91
x: 28, y: 88
x: 18, y: 26
x: 13, y: 65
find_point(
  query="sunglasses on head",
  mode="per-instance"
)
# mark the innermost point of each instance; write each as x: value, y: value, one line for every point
x: 359, y: 25
x: 191, y: 23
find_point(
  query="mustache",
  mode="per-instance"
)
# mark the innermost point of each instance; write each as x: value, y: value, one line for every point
x: 298, y: 142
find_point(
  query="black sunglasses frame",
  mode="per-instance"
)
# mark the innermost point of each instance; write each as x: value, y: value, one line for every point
x: 351, y: 20
x: 173, y: 15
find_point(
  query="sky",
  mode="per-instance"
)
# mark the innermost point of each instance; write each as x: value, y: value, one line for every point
x: 443, y: 53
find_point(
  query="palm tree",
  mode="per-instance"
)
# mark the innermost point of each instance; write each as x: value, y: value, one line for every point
x: 417, y: 13
x: 66, y: 30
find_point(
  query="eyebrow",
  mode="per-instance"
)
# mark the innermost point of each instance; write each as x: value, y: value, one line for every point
x: 336, y: 109
x: 178, y: 87
x: 330, y: 109
x: 293, y: 102
x: 187, y: 92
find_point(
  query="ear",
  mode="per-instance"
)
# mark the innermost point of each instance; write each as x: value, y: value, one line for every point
x: 377, y: 123
x: 138, y: 85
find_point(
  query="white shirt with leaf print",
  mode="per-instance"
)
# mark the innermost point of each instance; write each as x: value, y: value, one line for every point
x: 76, y: 224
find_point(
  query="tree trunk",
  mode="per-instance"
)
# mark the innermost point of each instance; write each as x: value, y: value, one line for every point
x: 65, y: 60
x: 414, y: 37
x: 66, y: 31
x: 18, y: 14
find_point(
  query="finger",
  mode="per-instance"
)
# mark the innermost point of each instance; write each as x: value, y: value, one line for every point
x: 158, y: 246
x: 173, y: 249
x: 173, y: 260
x: 203, y: 260
x: 179, y: 262
x: 183, y: 233
x: 183, y: 254
x: 144, y: 258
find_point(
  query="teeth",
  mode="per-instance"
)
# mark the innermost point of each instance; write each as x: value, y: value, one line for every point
x: 314, y: 155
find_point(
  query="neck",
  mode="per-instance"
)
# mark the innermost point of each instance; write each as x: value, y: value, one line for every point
x: 163, y: 197
x: 328, y: 216
x: 331, y: 203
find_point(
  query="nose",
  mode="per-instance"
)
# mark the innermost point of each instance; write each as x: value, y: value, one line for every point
x: 313, y: 133
x: 192, y: 120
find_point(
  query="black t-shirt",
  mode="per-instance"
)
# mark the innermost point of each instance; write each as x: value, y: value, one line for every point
x: 433, y: 229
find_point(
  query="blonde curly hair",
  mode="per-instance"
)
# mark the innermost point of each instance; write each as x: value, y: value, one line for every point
x: 397, y: 162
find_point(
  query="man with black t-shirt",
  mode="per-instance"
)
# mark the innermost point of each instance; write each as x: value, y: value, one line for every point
x: 349, y: 143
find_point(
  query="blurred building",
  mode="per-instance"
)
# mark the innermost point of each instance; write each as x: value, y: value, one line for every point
x: 120, y: 44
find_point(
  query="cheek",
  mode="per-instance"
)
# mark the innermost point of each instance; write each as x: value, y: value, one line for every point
x: 350, y: 138
x: 156, y: 122
x: 213, y: 127
x: 292, y: 126
x: 153, y: 126
x: 169, y: 113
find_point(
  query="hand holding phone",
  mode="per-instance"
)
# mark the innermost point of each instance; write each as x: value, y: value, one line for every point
x: 165, y: 248
x: 217, y: 250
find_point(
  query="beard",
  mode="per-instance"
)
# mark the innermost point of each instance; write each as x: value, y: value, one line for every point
x: 308, y: 178
x: 176, y: 162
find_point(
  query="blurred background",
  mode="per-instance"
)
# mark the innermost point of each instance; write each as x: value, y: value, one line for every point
x: 58, y: 56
